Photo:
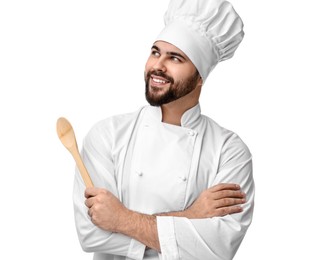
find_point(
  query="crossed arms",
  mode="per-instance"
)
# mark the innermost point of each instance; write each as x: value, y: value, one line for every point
x: 109, y: 214
x: 212, y: 227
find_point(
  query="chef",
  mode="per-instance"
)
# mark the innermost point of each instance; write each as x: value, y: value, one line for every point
x: 170, y: 183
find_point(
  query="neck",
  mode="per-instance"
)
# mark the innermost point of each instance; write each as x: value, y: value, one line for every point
x: 173, y: 111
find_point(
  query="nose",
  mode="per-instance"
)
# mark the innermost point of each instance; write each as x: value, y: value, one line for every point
x: 159, y: 65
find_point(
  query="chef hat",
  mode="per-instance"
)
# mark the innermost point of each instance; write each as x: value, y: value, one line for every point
x: 207, y: 31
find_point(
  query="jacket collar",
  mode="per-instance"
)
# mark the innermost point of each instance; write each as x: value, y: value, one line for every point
x: 190, y: 119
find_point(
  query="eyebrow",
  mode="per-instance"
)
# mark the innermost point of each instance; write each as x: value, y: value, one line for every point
x: 171, y: 53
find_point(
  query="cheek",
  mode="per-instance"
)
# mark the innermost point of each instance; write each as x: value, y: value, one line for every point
x: 148, y: 65
x: 146, y: 72
x: 184, y: 74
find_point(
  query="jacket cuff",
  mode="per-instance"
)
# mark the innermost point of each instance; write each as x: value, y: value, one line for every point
x: 167, y: 238
x: 136, y: 250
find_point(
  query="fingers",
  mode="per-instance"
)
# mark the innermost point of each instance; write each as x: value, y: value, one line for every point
x: 95, y: 195
x: 90, y: 195
x: 229, y: 194
x: 89, y: 202
x: 227, y: 190
x: 91, y: 192
x: 227, y: 202
x: 225, y: 186
x: 228, y: 210
x: 228, y: 198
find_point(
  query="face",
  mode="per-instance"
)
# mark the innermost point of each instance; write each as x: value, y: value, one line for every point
x: 169, y: 74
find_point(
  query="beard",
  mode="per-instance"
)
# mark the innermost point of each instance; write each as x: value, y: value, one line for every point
x: 176, y: 90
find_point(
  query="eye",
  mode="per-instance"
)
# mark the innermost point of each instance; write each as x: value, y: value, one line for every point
x: 176, y: 59
x: 155, y: 53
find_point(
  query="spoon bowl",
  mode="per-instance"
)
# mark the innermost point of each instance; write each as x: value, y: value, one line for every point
x: 67, y: 137
x: 66, y: 133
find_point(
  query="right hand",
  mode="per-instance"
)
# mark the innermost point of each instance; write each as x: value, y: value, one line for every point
x: 217, y: 201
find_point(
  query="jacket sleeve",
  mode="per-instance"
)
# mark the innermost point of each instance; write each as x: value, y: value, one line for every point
x: 97, y: 156
x: 215, y: 238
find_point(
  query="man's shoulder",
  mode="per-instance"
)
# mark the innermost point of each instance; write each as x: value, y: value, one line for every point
x: 115, y: 123
x: 224, y: 136
x: 216, y: 128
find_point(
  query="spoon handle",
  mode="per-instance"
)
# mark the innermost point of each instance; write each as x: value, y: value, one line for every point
x: 82, y: 169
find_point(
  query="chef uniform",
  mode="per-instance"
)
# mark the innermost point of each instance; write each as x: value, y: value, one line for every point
x: 154, y: 167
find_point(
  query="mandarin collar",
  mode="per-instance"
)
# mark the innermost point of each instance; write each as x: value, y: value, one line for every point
x: 190, y: 118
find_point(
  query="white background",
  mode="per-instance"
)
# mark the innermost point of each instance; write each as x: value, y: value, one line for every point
x: 84, y: 60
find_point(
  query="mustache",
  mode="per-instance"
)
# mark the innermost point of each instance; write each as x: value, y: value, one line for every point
x: 160, y: 74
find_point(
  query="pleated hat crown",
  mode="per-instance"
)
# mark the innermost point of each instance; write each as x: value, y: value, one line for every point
x: 207, y: 31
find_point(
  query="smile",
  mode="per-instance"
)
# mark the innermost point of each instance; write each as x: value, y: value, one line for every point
x: 159, y: 80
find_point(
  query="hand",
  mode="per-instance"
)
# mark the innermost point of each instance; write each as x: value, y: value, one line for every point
x: 217, y: 201
x: 108, y: 213
x: 105, y: 210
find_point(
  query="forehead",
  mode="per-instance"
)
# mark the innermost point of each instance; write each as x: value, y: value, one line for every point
x: 169, y: 48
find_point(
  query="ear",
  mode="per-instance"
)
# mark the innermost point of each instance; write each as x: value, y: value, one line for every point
x: 200, y: 82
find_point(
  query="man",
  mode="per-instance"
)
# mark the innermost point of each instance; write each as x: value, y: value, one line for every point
x: 170, y: 183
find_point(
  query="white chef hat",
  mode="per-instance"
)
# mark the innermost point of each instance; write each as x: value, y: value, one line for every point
x: 207, y: 31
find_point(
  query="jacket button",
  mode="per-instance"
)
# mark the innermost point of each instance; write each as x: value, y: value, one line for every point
x: 139, y: 173
x: 183, y: 178
x: 191, y: 133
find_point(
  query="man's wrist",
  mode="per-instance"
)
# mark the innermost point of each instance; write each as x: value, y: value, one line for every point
x: 141, y: 227
x: 182, y: 214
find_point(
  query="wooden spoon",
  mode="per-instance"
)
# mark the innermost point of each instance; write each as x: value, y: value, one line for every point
x: 67, y: 136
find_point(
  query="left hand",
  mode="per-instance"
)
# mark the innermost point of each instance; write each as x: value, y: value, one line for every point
x: 217, y: 201
x: 105, y: 210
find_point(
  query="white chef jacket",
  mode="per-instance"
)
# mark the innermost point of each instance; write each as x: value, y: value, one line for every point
x: 154, y: 167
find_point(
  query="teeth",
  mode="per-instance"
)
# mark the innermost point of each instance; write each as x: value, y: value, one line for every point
x: 159, y: 81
